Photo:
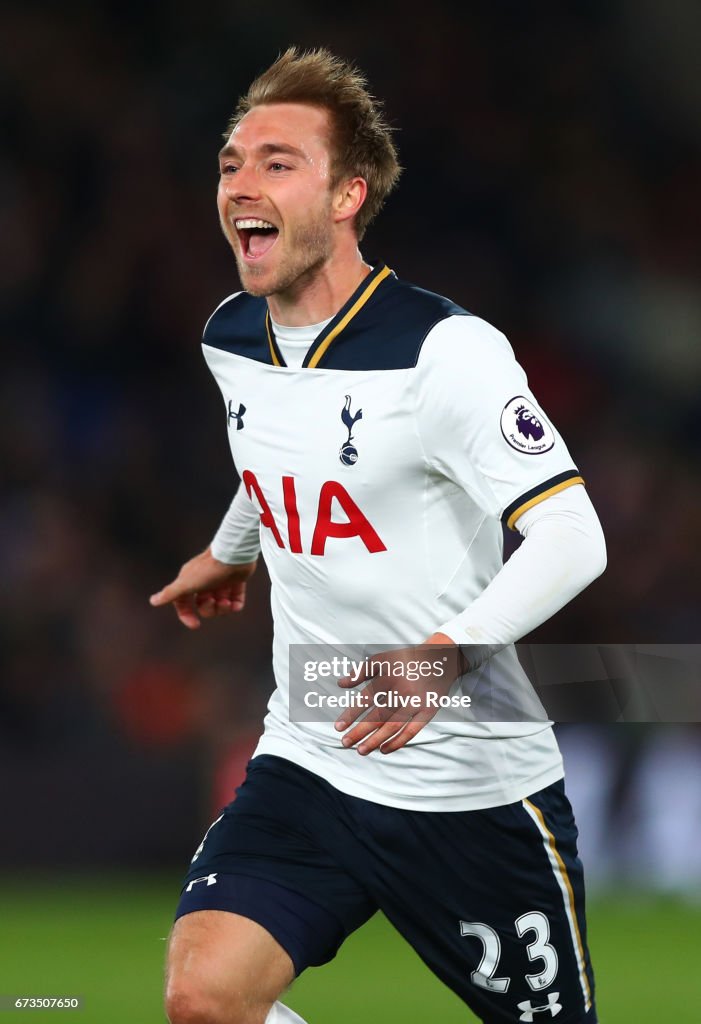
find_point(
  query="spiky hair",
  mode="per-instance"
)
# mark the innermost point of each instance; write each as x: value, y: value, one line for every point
x: 361, y: 139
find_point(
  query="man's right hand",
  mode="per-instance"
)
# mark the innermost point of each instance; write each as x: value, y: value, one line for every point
x: 204, y: 588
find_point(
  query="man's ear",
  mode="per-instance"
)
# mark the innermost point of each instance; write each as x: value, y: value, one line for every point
x: 348, y: 198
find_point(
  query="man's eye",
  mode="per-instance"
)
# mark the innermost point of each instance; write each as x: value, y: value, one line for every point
x: 228, y: 169
x: 277, y: 166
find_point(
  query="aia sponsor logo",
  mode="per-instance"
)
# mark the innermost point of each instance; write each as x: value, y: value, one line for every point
x: 337, y: 516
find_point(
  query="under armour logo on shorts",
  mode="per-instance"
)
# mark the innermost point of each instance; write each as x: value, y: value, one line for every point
x: 529, y: 1009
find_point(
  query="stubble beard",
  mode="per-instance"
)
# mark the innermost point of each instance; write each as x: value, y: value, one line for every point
x: 309, y: 248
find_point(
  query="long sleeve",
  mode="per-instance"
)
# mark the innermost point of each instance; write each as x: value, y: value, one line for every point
x: 238, y: 538
x: 562, y: 552
x: 482, y: 428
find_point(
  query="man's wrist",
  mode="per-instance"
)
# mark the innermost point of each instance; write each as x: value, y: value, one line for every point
x: 473, y: 650
x: 238, y: 556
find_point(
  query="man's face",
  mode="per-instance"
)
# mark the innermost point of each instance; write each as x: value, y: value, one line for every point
x: 274, y: 197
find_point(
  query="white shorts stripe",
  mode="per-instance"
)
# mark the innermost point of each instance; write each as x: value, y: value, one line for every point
x: 563, y: 881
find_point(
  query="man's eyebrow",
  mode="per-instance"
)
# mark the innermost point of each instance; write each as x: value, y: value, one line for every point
x: 265, y: 149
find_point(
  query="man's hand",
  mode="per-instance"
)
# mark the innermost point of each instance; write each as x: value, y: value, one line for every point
x: 389, y: 729
x: 205, y: 588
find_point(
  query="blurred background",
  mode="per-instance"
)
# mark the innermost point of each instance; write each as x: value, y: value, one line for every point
x: 552, y: 158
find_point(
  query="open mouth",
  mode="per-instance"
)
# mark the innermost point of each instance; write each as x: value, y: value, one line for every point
x: 257, y: 237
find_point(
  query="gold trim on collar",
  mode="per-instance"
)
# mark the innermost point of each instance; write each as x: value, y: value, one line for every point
x: 273, y: 353
x: 357, y: 305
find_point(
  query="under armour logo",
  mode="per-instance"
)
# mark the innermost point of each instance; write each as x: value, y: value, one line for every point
x: 349, y: 453
x: 529, y: 1009
x: 209, y: 879
x: 238, y: 416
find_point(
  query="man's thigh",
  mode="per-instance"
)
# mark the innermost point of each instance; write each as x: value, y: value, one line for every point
x: 264, y: 860
x: 223, y: 967
x: 493, y: 902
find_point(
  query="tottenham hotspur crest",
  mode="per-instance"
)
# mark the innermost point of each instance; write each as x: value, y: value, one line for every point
x: 349, y: 453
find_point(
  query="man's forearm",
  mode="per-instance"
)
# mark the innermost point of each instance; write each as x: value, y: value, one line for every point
x: 562, y: 552
x: 238, y: 538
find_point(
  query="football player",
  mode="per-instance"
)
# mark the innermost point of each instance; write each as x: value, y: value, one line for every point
x: 382, y: 435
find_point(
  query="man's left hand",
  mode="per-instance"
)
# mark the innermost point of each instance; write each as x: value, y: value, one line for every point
x: 389, y: 729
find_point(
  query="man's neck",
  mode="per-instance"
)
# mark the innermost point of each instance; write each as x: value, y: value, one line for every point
x: 320, y: 296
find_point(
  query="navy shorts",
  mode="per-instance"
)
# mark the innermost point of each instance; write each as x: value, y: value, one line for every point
x: 491, y: 900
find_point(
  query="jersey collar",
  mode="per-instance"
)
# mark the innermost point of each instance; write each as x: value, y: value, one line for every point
x: 323, y: 342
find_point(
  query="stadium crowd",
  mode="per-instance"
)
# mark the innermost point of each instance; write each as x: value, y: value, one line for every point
x: 550, y: 186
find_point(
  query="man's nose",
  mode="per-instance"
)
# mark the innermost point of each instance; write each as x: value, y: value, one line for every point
x: 243, y: 185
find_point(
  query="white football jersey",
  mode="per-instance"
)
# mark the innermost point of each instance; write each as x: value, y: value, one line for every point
x: 381, y: 471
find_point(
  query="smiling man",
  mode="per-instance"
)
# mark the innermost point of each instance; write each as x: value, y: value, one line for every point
x: 276, y: 195
x: 382, y: 438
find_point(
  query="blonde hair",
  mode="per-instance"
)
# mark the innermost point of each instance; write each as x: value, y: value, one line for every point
x: 361, y: 140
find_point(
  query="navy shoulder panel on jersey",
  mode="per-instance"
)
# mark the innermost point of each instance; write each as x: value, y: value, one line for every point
x: 238, y: 326
x: 388, y: 332
x: 382, y: 326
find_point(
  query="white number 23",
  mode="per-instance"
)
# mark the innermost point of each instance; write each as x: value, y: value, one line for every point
x: 538, y: 949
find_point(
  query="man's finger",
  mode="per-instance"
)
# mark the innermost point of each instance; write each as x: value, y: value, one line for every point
x: 409, y: 730
x: 170, y: 593
x: 352, y: 714
x: 383, y: 735
x: 185, y: 610
x: 371, y: 670
x: 374, y: 715
x: 401, y: 738
x: 347, y: 681
x: 206, y: 606
x: 376, y: 721
x: 361, y: 730
x: 349, y: 716
x: 236, y: 596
